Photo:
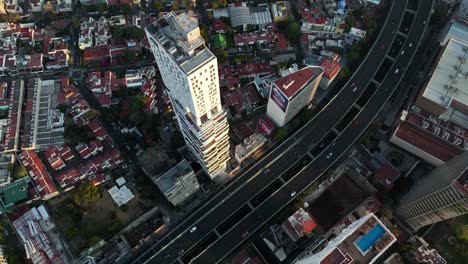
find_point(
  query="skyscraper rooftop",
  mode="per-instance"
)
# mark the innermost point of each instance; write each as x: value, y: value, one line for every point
x: 180, y: 36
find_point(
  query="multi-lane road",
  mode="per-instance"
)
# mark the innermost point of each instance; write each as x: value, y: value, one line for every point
x: 210, y: 217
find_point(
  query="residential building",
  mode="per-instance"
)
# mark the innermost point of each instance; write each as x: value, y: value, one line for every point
x: 428, y: 137
x: 133, y: 79
x: 298, y: 225
x: 39, y: 174
x: 280, y: 11
x: 178, y: 183
x: 93, y: 32
x: 43, y: 122
x: 362, y: 241
x: 354, y: 35
x: 446, y: 93
x: 189, y: 70
x: 289, y: 94
x: 33, y: 226
x: 331, y: 68
x: 242, y: 15
x: 121, y: 195
x: 439, y: 196
x: 249, y: 146
x: 421, y: 252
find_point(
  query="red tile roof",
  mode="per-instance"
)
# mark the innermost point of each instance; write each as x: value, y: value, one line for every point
x: 265, y: 125
x: 290, y: 84
x: 96, y: 53
x: 425, y: 142
x: 38, y: 173
x: 331, y: 67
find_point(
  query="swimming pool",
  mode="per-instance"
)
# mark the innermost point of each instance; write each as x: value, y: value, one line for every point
x: 370, y: 238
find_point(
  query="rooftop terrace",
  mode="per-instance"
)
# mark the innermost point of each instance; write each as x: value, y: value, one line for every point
x: 180, y: 36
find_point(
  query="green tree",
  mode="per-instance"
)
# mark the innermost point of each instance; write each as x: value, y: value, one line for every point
x: 102, y: 7
x: 127, y: 9
x: 280, y: 133
x: 76, y: 22
x: 158, y: 5
x: 175, y: 5
x: 136, y: 106
x: 387, y: 213
x: 17, y: 170
x: 188, y: 4
x: 221, y: 54
x: 137, y: 103
x: 93, y: 240
x: 460, y: 231
x: 219, y: 3
x: 177, y: 140
x: 345, y: 72
x: 86, y: 193
x: 291, y: 29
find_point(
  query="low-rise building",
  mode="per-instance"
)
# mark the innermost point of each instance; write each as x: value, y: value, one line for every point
x: 178, y: 184
x: 428, y: 137
x: 39, y: 174
x: 298, y: 225
x: 354, y: 35
x: 33, y: 226
x: 422, y: 252
x: 249, y: 146
x: 362, y: 241
x: 331, y: 68
x: 43, y: 122
x: 289, y: 94
x: 280, y: 11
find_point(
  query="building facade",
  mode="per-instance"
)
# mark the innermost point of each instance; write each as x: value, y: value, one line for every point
x: 439, y: 196
x: 178, y: 183
x: 291, y: 93
x: 189, y: 70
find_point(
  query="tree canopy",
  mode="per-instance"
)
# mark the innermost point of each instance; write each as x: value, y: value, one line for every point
x: 219, y: 3
x: 86, y: 193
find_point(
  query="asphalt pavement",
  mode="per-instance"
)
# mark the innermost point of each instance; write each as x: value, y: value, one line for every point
x: 235, y: 236
x: 237, y: 194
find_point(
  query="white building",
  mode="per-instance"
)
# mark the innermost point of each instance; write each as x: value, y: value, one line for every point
x: 354, y: 35
x: 289, y: 94
x: 178, y: 183
x: 446, y: 92
x: 190, y: 72
x: 363, y: 241
x: 249, y: 146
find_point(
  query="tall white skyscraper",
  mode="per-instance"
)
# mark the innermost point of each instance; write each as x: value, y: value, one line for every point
x: 190, y: 73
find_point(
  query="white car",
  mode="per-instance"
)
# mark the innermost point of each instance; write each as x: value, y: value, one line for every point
x: 396, y: 71
x: 193, y: 229
x: 293, y: 193
x: 410, y: 45
x: 329, y: 155
x: 402, y: 52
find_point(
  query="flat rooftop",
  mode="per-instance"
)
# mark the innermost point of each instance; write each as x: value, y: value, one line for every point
x: 449, y: 79
x: 293, y: 82
x: 44, y: 124
x: 363, y: 241
x: 179, y: 35
x: 13, y: 193
x: 168, y: 180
